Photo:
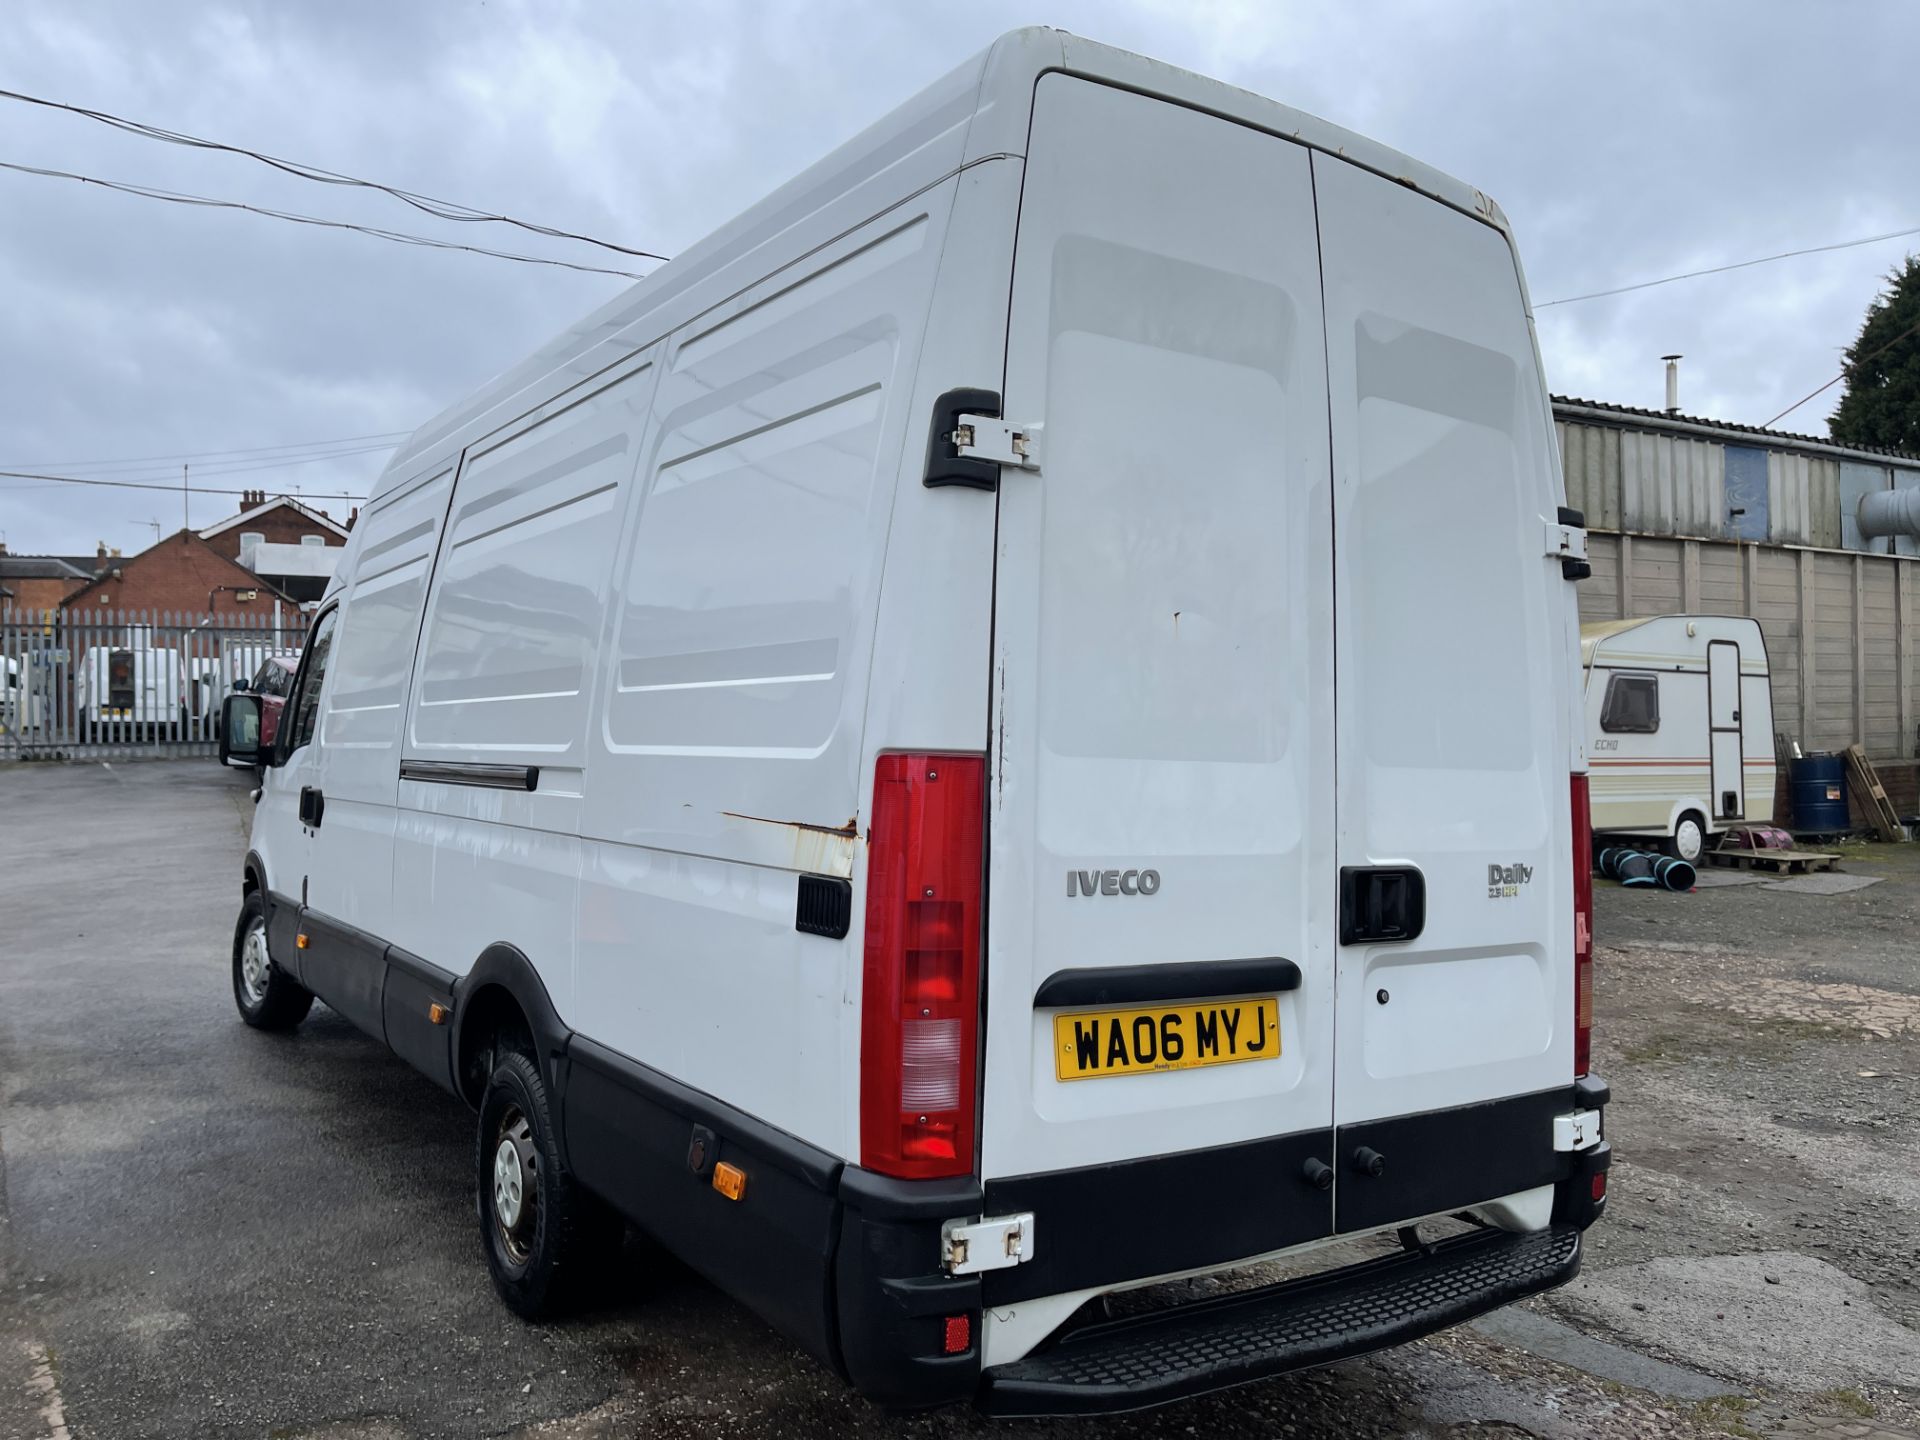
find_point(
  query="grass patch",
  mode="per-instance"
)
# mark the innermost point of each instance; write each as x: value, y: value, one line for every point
x: 1662, y: 1045
x: 1726, y: 1413
x: 1848, y: 1402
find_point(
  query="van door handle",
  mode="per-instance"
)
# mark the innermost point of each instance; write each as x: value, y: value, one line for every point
x: 312, y: 806
x: 1381, y: 903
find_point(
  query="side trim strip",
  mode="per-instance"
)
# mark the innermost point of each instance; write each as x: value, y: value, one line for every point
x: 456, y: 772
x: 1187, y: 980
x: 425, y: 971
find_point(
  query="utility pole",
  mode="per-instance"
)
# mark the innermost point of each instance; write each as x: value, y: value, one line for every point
x: 186, y: 521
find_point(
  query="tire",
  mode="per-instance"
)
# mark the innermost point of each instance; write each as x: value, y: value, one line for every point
x: 1689, y: 839
x: 543, y: 1233
x: 267, y: 996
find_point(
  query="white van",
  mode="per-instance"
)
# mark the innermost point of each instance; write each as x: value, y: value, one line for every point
x: 835, y: 757
x: 1679, y: 727
x: 129, y: 685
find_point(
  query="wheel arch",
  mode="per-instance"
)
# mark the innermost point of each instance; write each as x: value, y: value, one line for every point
x: 503, y: 992
x: 253, y: 875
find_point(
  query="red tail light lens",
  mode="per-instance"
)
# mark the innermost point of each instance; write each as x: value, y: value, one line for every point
x: 1582, y: 927
x: 920, y: 994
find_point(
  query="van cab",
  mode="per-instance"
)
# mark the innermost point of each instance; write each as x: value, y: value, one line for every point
x: 905, y: 756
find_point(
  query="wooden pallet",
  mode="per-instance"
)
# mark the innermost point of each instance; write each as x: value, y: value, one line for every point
x: 1886, y: 820
x: 1783, y: 862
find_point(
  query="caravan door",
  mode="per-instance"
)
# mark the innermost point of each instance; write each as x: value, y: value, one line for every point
x: 1723, y: 729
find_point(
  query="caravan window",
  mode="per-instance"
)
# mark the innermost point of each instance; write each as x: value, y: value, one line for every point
x: 1633, y: 705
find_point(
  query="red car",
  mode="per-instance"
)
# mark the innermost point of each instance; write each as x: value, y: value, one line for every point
x: 271, y: 683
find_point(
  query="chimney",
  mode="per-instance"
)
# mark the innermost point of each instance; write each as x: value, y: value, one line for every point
x: 1673, y: 383
x: 352, y: 515
x: 100, y: 550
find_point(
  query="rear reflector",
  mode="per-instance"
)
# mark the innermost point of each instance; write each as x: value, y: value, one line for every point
x: 920, y: 992
x: 1600, y: 1186
x: 959, y: 1337
x: 1582, y: 817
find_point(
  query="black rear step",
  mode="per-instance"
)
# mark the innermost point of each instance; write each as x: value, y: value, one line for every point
x: 1192, y: 1349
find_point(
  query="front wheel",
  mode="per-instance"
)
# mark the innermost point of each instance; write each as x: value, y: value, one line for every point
x: 540, y: 1228
x: 269, y: 998
x: 1689, y: 838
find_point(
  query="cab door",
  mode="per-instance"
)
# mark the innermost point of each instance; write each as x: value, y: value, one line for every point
x: 1160, y: 789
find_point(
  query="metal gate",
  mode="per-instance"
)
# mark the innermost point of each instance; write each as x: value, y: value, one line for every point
x: 102, y: 684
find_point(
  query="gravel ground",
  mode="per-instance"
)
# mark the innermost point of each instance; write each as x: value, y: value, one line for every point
x: 209, y: 1232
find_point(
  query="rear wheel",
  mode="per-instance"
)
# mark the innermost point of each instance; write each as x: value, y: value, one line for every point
x: 540, y: 1228
x: 269, y: 998
x: 1689, y: 838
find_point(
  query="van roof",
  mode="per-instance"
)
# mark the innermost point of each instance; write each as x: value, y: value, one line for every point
x: 977, y: 113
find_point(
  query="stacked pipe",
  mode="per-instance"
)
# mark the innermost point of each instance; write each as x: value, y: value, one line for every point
x: 1637, y: 867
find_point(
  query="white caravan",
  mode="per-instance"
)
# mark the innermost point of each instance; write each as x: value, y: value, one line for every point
x: 1679, y: 727
x: 834, y: 757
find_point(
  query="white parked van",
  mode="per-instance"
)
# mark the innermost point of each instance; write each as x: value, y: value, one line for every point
x: 1679, y: 727
x: 134, y: 684
x: 835, y: 757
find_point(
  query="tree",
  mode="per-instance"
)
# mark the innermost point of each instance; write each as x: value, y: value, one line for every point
x: 1882, y: 403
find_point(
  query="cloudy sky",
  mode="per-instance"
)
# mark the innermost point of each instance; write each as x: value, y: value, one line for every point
x: 1625, y: 141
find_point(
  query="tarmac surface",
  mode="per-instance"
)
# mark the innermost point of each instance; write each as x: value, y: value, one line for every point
x: 210, y: 1232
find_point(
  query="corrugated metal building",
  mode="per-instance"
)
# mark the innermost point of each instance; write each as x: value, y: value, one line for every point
x: 1691, y: 514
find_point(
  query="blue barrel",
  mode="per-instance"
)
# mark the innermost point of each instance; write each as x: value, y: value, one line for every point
x: 1820, y: 794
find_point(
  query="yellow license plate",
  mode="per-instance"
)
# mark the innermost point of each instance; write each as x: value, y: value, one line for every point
x: 1165, y: 1037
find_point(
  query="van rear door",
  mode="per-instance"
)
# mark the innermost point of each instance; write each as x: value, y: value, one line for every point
x: 1454, y: 652
x: 1160, y: 940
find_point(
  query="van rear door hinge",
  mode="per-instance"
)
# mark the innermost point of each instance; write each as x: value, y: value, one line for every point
x: 1567, y: 543
x: 996, y: 441
x: 969, y: 1246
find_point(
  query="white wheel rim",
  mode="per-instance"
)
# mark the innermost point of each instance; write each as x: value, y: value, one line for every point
x: 1687, y: 840
x: 256, y: 967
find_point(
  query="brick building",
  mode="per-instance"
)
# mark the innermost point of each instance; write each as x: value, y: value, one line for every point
x: 40, y: 582
x: 291, y: 546
x: 279, y: 521
x: 183, y: 573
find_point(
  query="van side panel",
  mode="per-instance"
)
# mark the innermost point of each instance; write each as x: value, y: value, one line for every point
x: 725, y: 753
x: 503, y: 680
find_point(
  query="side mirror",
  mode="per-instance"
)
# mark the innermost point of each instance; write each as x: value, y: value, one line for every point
x: 242, y: 685
x: 240, y: 732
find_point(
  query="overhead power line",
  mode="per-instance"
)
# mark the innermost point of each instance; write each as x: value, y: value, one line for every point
x: 441, y: 209
x: 392, y: 437
x: 399, y: 237
x: 153, y: 485
x: 243, y: 466
x: 1736, y: 265
x: 1910, y: 330
x: 165, y: 473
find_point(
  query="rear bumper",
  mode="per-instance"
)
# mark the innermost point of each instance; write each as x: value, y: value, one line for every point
x: 1151, y: 1359
x: 1210, y: 1208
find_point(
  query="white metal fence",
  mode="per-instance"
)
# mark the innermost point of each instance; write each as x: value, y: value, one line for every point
x: 101, y: 684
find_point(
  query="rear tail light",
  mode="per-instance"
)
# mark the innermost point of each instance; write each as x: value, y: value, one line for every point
x: 1582, y: 927
x: 920, y: 994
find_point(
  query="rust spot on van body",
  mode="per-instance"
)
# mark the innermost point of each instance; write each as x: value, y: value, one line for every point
x: 817, y: 849
x: 850, y: 830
